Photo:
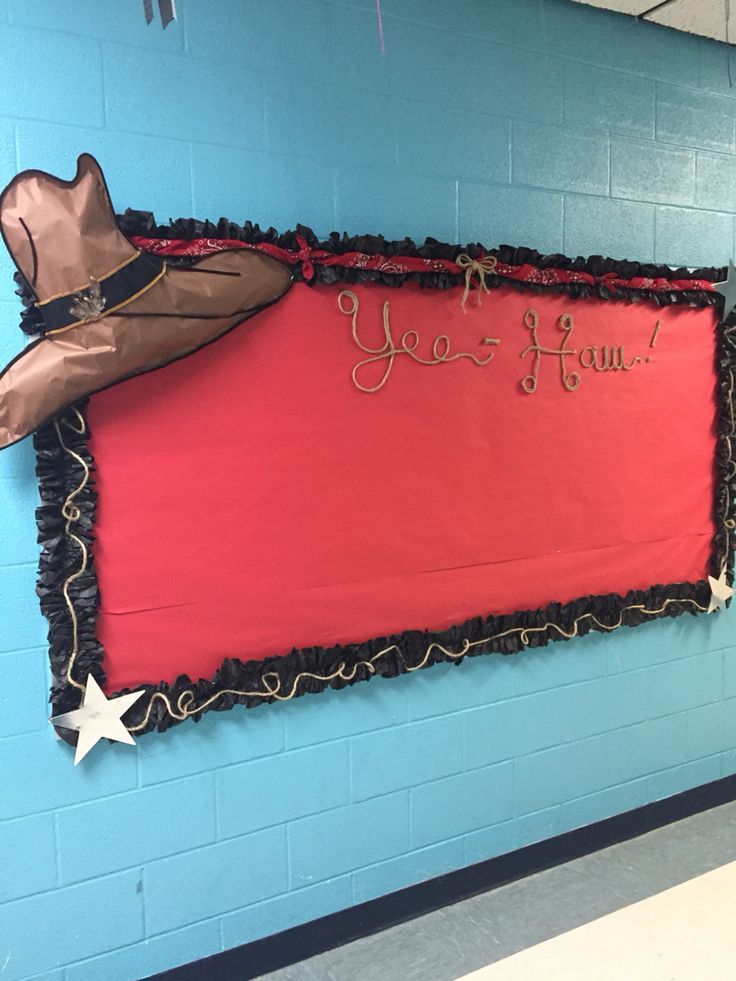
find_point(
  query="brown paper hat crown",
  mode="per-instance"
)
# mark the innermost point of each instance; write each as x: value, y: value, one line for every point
x: 109, y: 311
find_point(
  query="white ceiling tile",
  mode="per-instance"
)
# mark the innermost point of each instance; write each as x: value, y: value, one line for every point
x: 634, y: 7
x: 704, y: 17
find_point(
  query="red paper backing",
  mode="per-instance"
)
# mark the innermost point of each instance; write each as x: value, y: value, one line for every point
x: 251, y: 500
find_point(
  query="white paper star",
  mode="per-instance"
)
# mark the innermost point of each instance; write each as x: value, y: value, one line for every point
x: 727, y: 289
x: 720, y: 592
x: 98, y: 717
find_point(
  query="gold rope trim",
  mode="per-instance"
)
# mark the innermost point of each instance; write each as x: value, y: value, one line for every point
x: 106, y: 313
x: 71, y: 512
x: 99, y: 279
x: 183, y: 704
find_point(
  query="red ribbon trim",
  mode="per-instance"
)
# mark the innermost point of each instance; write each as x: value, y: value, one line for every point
x: 399, y: 265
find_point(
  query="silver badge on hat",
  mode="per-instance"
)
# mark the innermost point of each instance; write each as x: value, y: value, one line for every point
x: 88, y: 304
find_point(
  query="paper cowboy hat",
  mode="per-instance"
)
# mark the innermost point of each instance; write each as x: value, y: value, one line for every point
x: 109, y: 311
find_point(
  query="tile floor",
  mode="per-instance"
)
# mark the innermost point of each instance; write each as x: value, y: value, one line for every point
x: 681, y: 934
x: 470, y: 935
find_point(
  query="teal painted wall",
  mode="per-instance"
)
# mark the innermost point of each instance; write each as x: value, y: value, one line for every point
x: 535, y: 122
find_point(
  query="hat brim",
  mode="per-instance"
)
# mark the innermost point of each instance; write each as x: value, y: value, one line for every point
x: 188, y: 308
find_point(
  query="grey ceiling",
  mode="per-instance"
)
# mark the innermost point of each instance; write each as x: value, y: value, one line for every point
x: 711, y: 18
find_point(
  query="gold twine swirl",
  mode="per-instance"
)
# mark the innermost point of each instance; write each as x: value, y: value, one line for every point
x: 272, y: 682
x: 475, y: 267
x: 72, y: 514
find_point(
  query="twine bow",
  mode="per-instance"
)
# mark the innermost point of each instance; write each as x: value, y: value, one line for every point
x: 479, y: 267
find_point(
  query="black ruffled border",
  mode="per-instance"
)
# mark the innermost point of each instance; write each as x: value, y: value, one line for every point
x: 144, y: 223
x: 58, y: 475
x: 342, y: 665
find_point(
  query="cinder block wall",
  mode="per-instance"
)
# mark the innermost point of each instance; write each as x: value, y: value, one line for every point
x: 535, y: 122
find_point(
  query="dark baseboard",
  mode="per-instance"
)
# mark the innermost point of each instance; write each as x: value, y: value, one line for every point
x: 290, y: 946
